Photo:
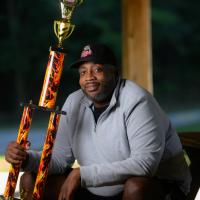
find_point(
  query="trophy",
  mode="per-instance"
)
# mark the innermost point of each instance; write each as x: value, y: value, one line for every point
x: 63, y: 29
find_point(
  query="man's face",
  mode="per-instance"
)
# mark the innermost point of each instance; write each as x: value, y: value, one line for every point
x: 97, y: 81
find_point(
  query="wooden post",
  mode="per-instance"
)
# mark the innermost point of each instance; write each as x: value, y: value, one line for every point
x: 137, y: 57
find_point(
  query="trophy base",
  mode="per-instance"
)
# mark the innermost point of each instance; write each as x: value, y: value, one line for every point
x: 3, y: 198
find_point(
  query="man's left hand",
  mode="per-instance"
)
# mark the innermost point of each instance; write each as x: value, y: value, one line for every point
x: 70, y: 185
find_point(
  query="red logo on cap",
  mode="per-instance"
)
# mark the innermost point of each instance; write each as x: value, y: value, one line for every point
x: 86, y: 52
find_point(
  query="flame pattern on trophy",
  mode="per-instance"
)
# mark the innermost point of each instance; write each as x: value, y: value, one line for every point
x: 46, y: 156
x: 22, y: 140
x: 52, y: 79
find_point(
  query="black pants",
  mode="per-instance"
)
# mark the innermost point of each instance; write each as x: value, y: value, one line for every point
x: 83, y: 193
x: 171, y: 189
x: 161, y: 188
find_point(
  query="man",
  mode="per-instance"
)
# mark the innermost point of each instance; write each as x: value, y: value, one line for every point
x: 125, y: 145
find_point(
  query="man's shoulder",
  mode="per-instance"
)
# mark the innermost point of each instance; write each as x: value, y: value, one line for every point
x: 131, y: 95
x: 74, y: 98
x: 78, y: 94
x: 132, y: 90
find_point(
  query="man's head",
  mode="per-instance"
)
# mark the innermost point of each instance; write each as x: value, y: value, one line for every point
x: 98, y: 73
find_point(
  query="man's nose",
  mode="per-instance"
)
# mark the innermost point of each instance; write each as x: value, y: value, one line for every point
x: 90, y: 76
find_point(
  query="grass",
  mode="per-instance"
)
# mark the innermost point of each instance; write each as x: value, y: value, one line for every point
x: 4, y: 166
x: 192, y: 127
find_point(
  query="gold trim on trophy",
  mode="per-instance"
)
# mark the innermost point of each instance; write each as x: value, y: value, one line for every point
x: 63, y: 27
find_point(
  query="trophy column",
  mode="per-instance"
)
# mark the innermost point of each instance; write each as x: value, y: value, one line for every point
x: 52, y: 79
x: 46, y: 155
x: 21, y: 139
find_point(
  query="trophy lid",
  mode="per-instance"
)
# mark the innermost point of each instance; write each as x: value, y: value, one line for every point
x: 67, y: 7
x: 69, y: 2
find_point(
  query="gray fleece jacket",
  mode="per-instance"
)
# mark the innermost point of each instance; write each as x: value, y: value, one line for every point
x: 132, y: 137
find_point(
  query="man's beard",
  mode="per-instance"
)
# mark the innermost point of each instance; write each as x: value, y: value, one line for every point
x: 105, y: 95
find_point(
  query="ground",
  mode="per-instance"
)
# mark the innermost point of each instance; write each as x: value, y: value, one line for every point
x: 4, y: 166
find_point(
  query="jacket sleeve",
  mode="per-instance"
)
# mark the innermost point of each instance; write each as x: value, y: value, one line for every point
x: 62, y: 156
x: 146, y: 125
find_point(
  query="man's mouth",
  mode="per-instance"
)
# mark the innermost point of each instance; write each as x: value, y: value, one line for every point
x: 91, y: 87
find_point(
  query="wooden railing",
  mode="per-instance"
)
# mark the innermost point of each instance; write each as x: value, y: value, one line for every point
x: 191, y: 144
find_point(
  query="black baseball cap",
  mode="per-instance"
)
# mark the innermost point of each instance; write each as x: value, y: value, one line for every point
x: 97, y: 53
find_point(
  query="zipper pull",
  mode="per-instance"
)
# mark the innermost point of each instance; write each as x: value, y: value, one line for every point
x: 95, y: 127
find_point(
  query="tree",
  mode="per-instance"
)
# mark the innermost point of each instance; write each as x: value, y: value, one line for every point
x: 28, y: 34
x: 176, y: 49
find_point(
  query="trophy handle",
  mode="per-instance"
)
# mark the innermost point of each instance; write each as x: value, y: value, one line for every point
x: 71, y: 29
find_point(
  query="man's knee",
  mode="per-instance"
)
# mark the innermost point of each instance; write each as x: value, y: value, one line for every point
x: 27, y: 180
x: 143, y: 188
x: 52, y: 186
x: 136, y: 185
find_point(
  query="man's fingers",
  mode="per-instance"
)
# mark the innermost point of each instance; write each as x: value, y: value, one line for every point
x: 10, y: 160
x: 61, y: 196
x: 64, y: 194
x: 18, y: 152
x: 70, y: 185
x: 15, y: 153
x: 13, y: 158
x: 17, y: 156
x: 28, y: 144
x: 14, y: 147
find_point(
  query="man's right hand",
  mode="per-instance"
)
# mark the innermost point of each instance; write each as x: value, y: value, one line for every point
x: 15, y: 153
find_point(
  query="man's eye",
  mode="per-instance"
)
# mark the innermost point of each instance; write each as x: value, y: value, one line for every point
x: 98, y: 69
x: 82, y: 73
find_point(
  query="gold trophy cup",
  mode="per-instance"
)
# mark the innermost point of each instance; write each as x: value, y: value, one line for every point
x: 63, y: 27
